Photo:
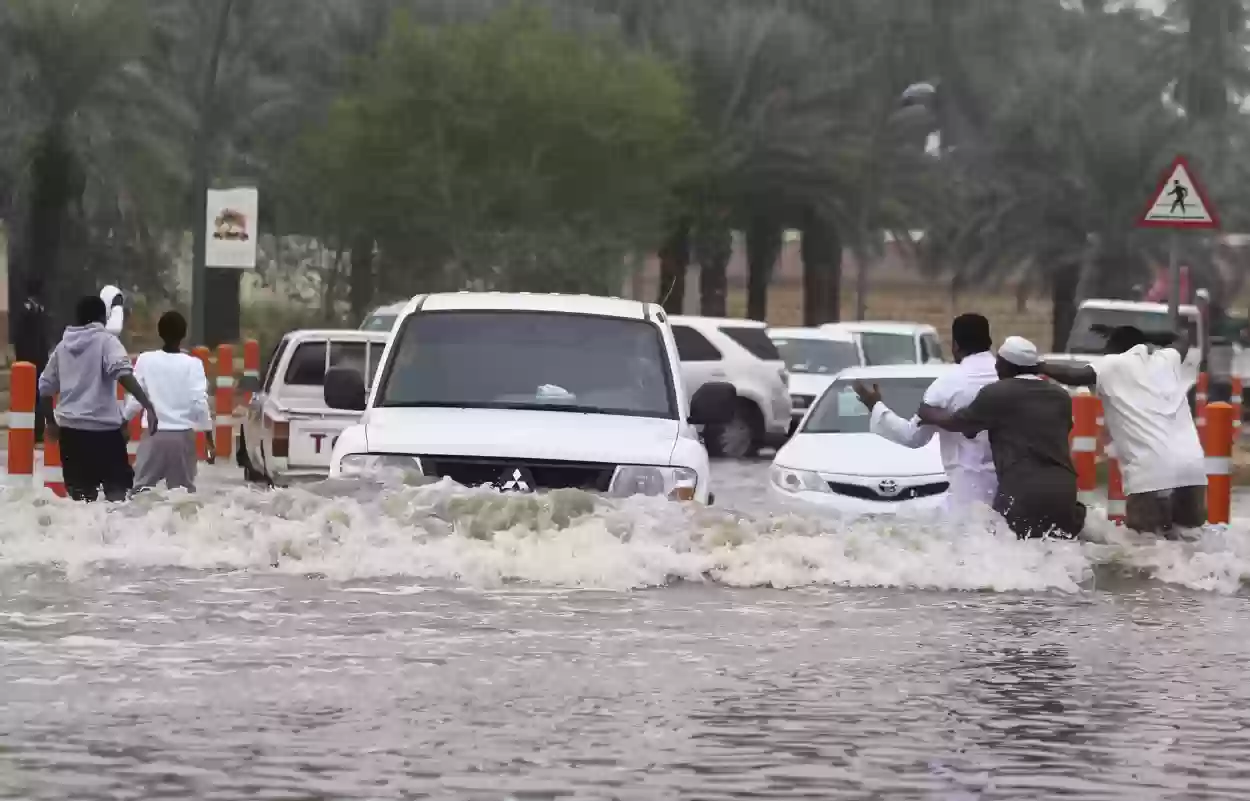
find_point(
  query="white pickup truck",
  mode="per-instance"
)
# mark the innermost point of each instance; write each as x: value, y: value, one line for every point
x: 1086, y: 344
x: 288, y: 432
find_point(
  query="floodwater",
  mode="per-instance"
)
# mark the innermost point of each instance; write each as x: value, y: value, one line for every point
x: 342, y: 642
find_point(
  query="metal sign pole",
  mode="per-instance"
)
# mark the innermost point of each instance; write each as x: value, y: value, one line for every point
x: 1174, y: 277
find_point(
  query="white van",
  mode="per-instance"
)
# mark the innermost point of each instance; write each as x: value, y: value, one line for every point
x: 530, y: 392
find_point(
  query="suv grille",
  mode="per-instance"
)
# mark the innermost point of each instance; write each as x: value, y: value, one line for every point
x: 905, y: 494
x: 547, y: 474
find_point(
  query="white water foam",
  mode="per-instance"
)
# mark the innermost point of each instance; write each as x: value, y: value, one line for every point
x: 480, y: 538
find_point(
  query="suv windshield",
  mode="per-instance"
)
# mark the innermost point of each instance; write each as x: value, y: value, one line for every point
x: 378, y: 322
x: 839, y: 410
x: 1084, y: 339
x: 529, y: 360
x: 884, y: 349
x: 821, y: 356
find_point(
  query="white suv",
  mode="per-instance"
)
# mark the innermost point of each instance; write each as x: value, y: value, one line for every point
x: 740, y: 353
x: 529, y: 392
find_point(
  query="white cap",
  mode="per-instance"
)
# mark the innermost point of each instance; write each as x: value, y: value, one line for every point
x: 1019, y: 351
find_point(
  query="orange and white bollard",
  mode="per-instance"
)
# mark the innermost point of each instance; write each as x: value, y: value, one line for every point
x: 1234, y: 400
x: 22, y: 395
x: 134, y: 428
x: 225, y: 401
x: 1116, y: 505
x: 53, y: 477
x: 1200, y: 403
x: 1085, y: 446
x: 251, y: 368
x: 201, y: 439
x: 1219, y: 447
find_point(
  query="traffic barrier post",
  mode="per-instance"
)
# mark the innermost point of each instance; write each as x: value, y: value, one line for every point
x: 1219, y: 448
x: 225, y: 400
x: 1200, y: 403
x: 134, y: 428
x: 201, y: 438
x: 1235, y: 400
x: 53, y: 477
x: 22, y: 397
x: 1116, y: 508
x: 251, y: 368
x: 1085, y: 445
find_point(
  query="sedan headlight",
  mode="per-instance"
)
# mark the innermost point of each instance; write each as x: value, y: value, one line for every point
x: 365, y: 464
x: 788, y: 480
x: 677, y: 483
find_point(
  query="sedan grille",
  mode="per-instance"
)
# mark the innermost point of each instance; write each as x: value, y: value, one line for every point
x: 547, y: 474
x: 904, y: 494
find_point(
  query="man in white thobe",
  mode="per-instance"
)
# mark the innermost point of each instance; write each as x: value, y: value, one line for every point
x: 968, y: 461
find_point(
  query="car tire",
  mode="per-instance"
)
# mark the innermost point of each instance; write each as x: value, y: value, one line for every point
x: 740, y: 437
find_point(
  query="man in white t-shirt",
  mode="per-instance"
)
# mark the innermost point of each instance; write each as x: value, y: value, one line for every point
x: 1146, y: 408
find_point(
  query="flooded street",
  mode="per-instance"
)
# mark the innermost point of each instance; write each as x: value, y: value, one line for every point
x: 337, y: 642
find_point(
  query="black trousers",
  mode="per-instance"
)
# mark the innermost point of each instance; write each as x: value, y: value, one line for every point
x: 95, y: 460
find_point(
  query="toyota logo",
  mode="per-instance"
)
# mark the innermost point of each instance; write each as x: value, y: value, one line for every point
x: 888, y: 487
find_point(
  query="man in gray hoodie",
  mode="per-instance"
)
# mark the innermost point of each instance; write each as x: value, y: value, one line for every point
x: 85, y: 369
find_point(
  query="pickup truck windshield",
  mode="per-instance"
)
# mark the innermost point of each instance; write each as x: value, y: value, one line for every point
x: 529, y: 360
x: 1085, y: 340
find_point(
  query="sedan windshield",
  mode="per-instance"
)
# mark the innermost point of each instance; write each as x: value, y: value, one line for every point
x: 530, y: 360
x: 819, y: 356
x: 839, y: 410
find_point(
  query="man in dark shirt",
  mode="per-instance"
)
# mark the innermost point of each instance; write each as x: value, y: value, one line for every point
x: 1028, y: 420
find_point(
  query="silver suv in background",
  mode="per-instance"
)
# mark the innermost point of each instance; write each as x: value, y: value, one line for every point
x: 740, y: 353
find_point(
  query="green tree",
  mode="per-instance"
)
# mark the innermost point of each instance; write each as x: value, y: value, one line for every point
x: 507, y: 153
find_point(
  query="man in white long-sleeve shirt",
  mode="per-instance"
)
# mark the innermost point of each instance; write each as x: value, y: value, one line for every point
x: 178, y: 387
x: 969, y: 462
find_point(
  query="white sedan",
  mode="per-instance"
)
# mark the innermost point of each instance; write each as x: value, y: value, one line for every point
x: 834, y: 464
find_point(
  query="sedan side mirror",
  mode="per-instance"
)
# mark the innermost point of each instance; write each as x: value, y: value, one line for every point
x: 344, y: 389
x: 713, y: 404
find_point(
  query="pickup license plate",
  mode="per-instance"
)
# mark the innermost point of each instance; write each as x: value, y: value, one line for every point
x: 312, y: 444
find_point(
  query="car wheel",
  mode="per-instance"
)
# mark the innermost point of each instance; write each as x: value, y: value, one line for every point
x: 740, y: 437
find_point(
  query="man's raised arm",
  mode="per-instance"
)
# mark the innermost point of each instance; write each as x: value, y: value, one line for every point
x: 1071, y: 375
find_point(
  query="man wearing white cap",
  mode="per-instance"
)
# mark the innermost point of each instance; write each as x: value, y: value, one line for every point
x: 1028, y: 420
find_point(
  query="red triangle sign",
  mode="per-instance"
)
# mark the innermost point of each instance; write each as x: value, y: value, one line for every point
x: 1180, y: 201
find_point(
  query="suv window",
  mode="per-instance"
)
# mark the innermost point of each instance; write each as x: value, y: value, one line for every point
x: 274, y: 360
x: 308, y: 365
x: 754, y: 340
x: 693, y: 346
x: 881, y: 349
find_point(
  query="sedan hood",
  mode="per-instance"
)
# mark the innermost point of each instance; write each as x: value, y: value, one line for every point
x: 522, y: 434
x: 860, y: 455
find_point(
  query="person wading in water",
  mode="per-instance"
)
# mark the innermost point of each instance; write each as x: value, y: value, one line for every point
x: 176, y: 383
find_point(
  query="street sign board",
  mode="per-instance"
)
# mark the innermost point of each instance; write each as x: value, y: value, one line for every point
x: 1180, y: 201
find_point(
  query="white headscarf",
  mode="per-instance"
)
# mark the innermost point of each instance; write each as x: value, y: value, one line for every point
x: 1019, y: 351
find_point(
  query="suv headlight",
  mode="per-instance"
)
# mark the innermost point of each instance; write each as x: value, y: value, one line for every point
x: 788, y: 480
x: 677, y: 483
x: 365, y: 464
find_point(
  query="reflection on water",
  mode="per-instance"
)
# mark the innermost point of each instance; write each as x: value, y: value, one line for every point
x: 433, y: 643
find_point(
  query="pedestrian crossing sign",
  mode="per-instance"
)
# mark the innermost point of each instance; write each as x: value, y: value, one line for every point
x: 1180, y: 201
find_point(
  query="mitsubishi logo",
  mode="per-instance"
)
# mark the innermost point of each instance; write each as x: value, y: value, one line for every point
x: 515, y: 480
x: 888, y: 487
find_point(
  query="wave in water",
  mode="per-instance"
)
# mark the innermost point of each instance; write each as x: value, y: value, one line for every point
x: 348, y: 530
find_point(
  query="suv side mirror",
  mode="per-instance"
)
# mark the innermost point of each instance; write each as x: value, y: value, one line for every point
x: 713, y: 404
x: 344, y: 389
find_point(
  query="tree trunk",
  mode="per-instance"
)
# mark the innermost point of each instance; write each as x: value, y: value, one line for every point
x: 674, y: 259
x: 202, y: 298
x: 764, y: 239
x: 53, y: 185
x: 1063, y: 291
x: 822, y: 273
x: 361, y: 289
x: 713, y: 249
